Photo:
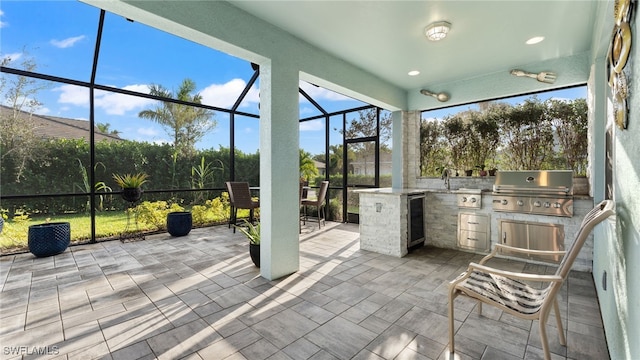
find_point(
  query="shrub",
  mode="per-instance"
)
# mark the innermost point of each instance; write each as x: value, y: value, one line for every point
x: 154, y: 213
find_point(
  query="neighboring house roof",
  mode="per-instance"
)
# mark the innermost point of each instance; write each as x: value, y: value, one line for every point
x: 319, y: 165
x: 53, y: 127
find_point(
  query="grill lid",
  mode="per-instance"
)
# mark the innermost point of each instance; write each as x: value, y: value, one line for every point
x: 538, y: 182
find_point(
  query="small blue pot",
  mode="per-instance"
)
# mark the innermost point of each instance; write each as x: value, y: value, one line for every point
x: 179, y: 223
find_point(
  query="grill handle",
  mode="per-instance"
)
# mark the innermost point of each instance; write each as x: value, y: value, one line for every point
x: 538, y: 190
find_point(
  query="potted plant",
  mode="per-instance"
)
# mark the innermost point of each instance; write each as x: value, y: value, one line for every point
x: 481, y: 170
x: 252, y: 232
x: 131, y: 185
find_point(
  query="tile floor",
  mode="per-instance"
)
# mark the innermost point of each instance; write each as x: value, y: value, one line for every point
x: 200, y: 297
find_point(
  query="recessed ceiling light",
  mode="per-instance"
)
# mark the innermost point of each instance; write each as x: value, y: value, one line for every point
x: 534, y: 40
x: 414, y: 73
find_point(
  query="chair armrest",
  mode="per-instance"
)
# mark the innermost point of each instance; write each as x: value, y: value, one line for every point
x: 518, y: 250
x: 528, y: 251
x: 514, y: 275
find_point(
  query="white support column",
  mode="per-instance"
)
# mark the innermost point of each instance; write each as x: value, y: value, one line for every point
x: 279, y: 170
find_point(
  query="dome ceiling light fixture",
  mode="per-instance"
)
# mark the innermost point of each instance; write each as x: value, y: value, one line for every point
x: 442, y: 97
x: 437, y: 31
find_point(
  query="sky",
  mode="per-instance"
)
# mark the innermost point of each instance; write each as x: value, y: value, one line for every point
x: 60, y: 37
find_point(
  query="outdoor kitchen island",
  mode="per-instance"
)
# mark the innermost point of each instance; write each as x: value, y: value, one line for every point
x: 384, y: 220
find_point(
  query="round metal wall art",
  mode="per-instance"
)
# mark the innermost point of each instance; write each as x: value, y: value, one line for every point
x: 620, y: 46
x: 621, y: 10
x: 620, y: 108
x: 617, y: 57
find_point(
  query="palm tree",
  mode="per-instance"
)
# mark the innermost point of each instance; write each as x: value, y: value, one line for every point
x: 307, y: 166
x: 187, y: 124
x: 336, y: 161
x: 105, y: 128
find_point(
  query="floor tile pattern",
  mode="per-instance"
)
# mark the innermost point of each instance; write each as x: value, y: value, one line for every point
x: 200, y: 297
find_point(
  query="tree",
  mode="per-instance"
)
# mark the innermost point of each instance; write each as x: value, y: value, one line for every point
x: 569, y: 119
x: 307, y: 166
x: 336, y: 161
x: 528, y: 134
x: 105, y: 128
x: 433, y: 153
x: 486, y: 134
x: 186, y: 124
x: 18, y: 142
x: 456, y: 132
x: 366, y: 125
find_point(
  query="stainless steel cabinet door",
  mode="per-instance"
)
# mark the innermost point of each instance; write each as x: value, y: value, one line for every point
x: 533, y: 236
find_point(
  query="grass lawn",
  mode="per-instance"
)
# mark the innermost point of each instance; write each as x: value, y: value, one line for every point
x: 109, y: 224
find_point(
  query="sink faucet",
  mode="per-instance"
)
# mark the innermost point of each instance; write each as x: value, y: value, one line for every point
x: 445, y: 177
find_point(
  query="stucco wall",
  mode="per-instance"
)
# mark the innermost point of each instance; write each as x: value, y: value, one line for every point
x: 617, y: 245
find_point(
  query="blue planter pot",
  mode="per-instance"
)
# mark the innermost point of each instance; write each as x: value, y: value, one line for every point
x: 254, y: 252
x: 179, y: 223
x: 49, y: 239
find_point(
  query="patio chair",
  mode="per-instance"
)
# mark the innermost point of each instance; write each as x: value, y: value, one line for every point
x: 318, y: 203
x: 240, y: 198
x: 511, y: 292
x: 302, y: 192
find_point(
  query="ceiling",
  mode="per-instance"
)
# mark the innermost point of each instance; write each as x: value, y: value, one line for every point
x: 386, y: 38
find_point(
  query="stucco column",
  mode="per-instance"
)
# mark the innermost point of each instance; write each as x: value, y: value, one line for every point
x: 406, y: 145
x: 279, y: 170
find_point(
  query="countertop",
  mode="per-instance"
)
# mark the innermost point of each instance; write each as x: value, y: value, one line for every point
x: 416, y: 191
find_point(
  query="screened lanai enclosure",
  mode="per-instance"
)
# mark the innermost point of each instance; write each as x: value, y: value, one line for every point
x: 99, y: 95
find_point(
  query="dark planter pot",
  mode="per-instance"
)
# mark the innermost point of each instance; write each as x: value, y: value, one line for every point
x: 468, y: 172
x: 482, y: 172
x: 132, y: 194
x: 179, y: 223
x: 492, y: 172
x: 49, y: 239
x: 254, y: 251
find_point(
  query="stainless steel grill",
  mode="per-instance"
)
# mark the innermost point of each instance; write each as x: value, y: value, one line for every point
x: 541, y: 192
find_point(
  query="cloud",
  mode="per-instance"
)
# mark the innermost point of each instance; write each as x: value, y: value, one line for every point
x: 65, y: 43
x: 111, y: 103
x: 313, y: 125
x: 225, y: 95
x: 2, y: 23
x: 148, y: 131
x: 119, y: 104
x: 308, y: 111
x: 74, y: 95
x: 318, y: 93
x: 12, y: 57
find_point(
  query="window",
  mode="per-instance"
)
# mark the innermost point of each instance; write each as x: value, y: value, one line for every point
x: 545, y: 131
